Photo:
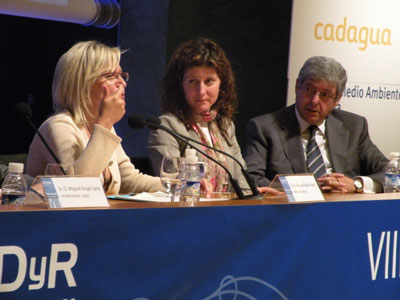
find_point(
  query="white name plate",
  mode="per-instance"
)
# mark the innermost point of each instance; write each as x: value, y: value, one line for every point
x: 63, y: 192
x: 300, y: 188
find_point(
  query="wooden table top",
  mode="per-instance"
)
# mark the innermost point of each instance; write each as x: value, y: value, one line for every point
x: 267, y: 200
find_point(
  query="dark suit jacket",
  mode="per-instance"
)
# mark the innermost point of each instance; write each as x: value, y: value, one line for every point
x: 274, y: 146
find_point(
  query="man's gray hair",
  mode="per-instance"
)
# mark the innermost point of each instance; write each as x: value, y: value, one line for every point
x: 324, y: 69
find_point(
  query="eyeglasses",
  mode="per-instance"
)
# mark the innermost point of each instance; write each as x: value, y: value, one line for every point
x: 311, y: 91
x: 113, y: 77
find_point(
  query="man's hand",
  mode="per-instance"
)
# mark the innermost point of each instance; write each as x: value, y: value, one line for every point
x: 336, y: 182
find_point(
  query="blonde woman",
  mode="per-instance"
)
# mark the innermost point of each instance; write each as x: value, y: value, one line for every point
x: 89, y: 98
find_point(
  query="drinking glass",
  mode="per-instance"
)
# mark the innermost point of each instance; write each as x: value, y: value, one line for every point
x: 56, y: 169
x: 173, y: 175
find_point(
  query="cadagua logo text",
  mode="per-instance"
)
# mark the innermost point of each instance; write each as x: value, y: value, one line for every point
x: 346, y: 32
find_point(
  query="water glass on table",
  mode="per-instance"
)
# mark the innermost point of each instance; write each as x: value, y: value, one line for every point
x: 173, y: 176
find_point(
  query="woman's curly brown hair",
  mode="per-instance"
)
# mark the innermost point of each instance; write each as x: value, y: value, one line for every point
x: 195, y: 53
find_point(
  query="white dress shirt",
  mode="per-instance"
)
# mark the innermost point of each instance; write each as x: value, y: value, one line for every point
x: 369, y: 185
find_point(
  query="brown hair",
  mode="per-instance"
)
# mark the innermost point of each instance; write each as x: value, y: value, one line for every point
x: 195, y: 53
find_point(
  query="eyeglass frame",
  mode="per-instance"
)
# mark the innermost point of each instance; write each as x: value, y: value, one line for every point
x: 311, y: 91
x: 116, y: 76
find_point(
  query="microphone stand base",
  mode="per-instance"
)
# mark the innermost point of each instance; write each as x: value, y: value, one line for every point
x: 253, y: 197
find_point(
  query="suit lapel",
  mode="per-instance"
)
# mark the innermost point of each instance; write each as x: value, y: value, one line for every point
x: 291, y: 139
x: 337, y: 137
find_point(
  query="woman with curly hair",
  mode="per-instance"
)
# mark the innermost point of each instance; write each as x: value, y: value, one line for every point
x: 199, y: 100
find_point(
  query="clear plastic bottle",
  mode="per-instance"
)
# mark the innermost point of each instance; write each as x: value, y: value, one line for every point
x: 191, y: 191
x: 392, y: 174
x: 13, y: 188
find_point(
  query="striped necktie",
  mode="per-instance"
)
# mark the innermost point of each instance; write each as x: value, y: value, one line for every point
x: 315, y: 162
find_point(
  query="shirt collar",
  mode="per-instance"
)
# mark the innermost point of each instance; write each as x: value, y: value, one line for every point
x: 304, y: 125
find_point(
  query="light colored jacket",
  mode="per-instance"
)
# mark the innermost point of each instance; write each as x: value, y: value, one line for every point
x: 72, y: 145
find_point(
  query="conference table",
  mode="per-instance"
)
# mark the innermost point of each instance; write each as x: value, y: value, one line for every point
x: 345, y: 247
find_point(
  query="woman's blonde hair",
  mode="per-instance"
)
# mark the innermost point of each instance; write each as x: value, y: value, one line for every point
x: 75, y: 73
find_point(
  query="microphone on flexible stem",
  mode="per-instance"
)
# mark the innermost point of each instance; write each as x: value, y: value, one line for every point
x: 25, y: 112
x: 137, y: 121
x: 156, y: 122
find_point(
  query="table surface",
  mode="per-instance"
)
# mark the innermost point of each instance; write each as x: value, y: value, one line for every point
x: 267, y: 200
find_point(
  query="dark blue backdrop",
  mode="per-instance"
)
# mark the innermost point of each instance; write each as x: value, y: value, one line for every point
x: 143, y: 32
x: 254, y: 35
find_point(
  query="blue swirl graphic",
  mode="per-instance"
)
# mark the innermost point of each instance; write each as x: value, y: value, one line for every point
x: 230, y: 280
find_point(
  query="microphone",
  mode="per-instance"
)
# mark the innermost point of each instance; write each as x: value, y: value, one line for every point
x: 137, y: 121
x: 25, y: 112
x: 156, y: 122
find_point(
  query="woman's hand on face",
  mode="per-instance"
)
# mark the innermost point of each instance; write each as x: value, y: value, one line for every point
x: 112, y: 107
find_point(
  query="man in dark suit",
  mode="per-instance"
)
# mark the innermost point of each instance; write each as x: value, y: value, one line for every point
x: 337, y: 149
